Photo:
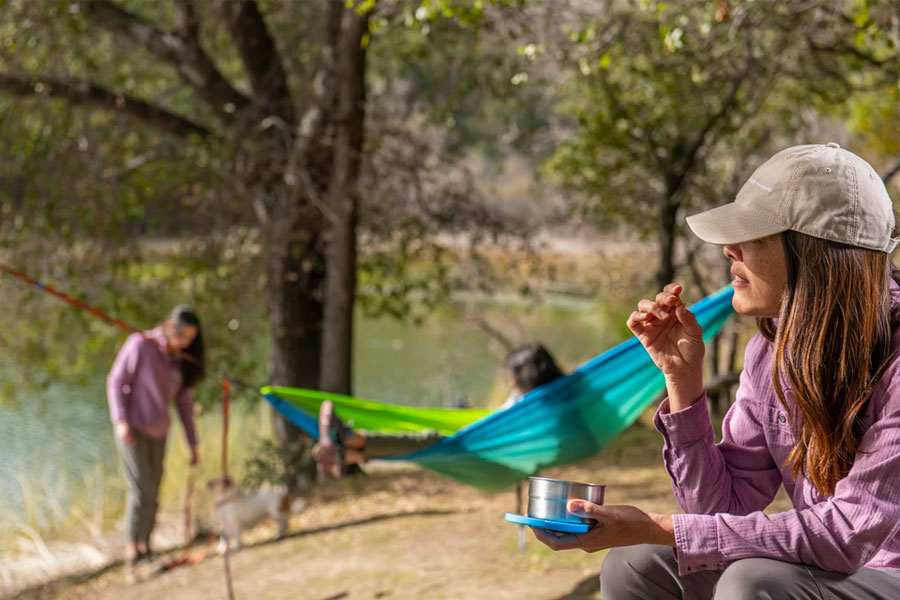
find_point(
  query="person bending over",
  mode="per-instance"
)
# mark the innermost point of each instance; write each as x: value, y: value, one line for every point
x: 153, y: 369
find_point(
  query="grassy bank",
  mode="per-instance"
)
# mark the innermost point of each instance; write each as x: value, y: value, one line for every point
x: 405, y: 533
x: 91, y: 506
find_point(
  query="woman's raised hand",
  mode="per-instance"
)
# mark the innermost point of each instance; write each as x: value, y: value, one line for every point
x: 674, y: 340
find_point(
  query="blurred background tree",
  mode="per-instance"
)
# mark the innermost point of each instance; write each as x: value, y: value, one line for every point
x: 278, y: 162
x: 671, y: 105
x: 162, y: 152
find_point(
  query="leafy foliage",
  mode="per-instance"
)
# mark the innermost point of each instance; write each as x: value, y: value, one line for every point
x: 670, y: 107
x: 271, y: 463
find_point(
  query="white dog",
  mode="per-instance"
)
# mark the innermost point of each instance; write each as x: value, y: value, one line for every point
x: 239, y: 510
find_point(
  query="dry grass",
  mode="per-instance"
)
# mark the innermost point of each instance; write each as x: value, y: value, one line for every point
x: 405, y: 533
x: 75, y: 526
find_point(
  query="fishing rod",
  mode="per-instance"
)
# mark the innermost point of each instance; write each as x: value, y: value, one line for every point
x: 114, y: 321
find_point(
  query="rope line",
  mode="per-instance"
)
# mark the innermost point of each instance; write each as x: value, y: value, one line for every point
x: 90, y: 309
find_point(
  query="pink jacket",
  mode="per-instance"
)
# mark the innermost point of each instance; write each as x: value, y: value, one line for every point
x: 724, y: 487
x: 143, y: 381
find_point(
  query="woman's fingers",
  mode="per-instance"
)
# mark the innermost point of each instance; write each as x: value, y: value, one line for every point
x: 556, y: 540
x: 654, y: 308
x: 673, y: 288
x: 634, y: 322
x: 666, y: 299
x: 666, y: 302
x: 662, y: 298
x: 689, y: 321
x: 638, y: 320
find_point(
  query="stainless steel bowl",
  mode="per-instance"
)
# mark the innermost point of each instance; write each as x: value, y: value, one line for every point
x: 547, y: 498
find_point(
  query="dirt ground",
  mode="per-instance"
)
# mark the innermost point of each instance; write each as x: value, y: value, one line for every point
x: 404, y: 533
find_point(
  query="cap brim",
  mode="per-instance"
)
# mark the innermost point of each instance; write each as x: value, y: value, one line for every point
x: 732, y: 224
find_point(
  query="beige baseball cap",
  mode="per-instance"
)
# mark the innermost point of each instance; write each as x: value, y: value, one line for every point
x: 821, y: 190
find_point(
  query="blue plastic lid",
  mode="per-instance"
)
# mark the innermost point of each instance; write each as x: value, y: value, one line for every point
x: 563, y: 526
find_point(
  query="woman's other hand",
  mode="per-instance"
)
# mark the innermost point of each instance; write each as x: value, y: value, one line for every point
x: 124, y: 432
x: 614, y: 526
x: 674, y: 340
x: 195, y: 457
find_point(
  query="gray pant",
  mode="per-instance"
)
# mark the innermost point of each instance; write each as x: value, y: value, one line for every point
x: 143, y: 463
x: 651, y: 573
x: 380, y: 445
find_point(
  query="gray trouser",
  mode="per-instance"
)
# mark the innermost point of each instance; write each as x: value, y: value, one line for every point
x: 651, y: 573
x: 143, y: 463
x: 380, y: 445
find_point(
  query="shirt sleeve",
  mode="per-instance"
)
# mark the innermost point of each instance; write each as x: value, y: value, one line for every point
x: 841, y: 534
x: 185, y: 404
x: 121, y: 377
x: 736, y: 476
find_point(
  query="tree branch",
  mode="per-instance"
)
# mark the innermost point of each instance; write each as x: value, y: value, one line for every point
x: 260, y: 57
x: 182, y: 50
x: 729, y: 104
x: 187, y: 24
x: 890, y: 64
x: 684, y: 158
x: 88, y: 93
x: 493, y: 332
x: 313, y: 135
x: 158, y: 152
x: 691, y: 262
x: 890, y: 173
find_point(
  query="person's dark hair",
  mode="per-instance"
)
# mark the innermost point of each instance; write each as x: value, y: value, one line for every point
x: 192, y: 371
x: 832, y: 344
x: 531, y: 366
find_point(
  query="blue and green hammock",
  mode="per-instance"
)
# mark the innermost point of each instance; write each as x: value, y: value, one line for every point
x: 565, y: 421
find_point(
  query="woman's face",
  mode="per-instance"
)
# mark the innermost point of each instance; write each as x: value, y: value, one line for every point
x: 179, y: 338
x: 760, y: 276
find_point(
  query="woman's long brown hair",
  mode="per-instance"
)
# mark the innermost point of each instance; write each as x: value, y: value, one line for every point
x: 832, y: 346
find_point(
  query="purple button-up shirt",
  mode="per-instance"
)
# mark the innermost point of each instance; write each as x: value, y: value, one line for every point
x: 724, y: 487
x: 143, y: 381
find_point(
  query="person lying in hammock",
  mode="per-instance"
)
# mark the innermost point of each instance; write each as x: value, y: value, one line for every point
x: 526, y: 367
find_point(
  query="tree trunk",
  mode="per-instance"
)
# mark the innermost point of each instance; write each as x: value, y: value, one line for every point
x: 666, y: 236
x: 337, y: 339
x: 294, y: 293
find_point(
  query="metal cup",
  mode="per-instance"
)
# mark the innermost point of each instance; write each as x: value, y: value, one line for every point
x: 548, y: 498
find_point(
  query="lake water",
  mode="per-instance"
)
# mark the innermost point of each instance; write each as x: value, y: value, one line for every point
x: 54, y: 438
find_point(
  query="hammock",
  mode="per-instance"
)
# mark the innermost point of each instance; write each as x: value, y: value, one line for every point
x: 565, y: 421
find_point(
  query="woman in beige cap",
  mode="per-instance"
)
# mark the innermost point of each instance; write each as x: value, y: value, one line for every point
x: 817, y: 410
